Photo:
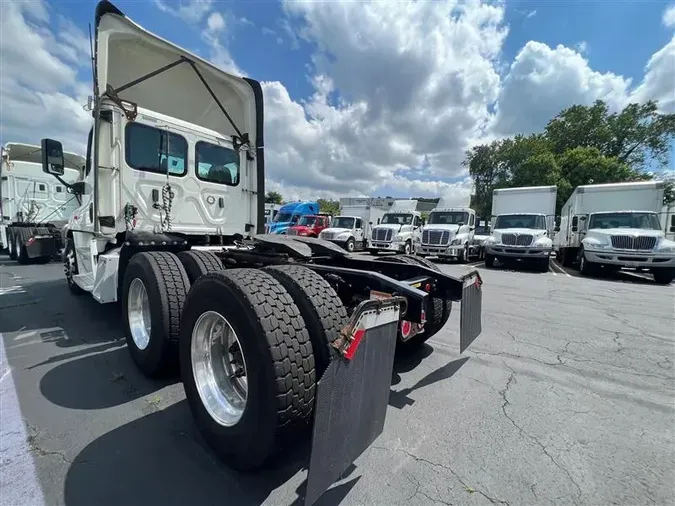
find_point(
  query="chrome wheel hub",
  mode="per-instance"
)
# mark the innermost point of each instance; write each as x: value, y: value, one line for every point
x: 219, y: 368
x: 138, y: 313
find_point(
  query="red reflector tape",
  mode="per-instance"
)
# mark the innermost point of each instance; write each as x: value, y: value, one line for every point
x: 30, y: 241
x: 356, y: 340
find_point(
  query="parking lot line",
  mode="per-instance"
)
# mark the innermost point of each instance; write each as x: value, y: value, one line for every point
x: 559, y: 269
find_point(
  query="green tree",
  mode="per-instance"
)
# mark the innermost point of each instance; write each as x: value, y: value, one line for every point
x: 273, y: 198
x: 669, y: 191
x: 331, y: 207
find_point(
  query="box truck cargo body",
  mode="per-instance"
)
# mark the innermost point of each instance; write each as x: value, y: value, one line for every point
x: 522, y: 223
x: 614, y: 226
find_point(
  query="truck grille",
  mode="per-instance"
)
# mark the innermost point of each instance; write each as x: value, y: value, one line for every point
x: 382, y: 234
x: 516, y: 239
x: 328, y: 236
x: 436, y: 237
x: 636, y: 243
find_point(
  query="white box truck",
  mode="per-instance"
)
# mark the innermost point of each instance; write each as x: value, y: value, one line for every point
x: 398, y: 230
x: 522, y: 223
x: 271, y: 211
x: 611, y: 226
x: 33, y: 205
x: 448, y: 233
x: 351, y: 228
x: 668, y: 221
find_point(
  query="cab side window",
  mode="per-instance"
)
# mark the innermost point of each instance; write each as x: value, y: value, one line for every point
x: 471, y: 220
x: 359, y: 223
x: 416, y: 221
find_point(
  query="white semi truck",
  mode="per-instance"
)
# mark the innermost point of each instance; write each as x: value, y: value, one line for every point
x: 612, y: 226
x: 522, y: 225
x: 33, y: 205
x: 398, y: 231
x: 353, y: 226
x: 448, y: 234
x: 266, y: 330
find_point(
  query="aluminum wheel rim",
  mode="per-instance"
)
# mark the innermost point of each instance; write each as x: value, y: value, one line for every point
x: 138, y: 313
x: 219, y: 368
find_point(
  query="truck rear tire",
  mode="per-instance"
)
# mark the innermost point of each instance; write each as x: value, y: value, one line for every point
x: 267, y: 343
x: 20, y: 248
x: 197, y: 263
x: 321, y: 308
x: 438, y: 313
x: 154, y: 291
x: 10, y: 244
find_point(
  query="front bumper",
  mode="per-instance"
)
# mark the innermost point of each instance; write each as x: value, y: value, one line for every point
x: 386, y: 246
x: 501, y: 250
x: 453, y: 251
x: 630, y: 258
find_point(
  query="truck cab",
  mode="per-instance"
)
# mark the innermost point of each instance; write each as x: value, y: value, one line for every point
x: 310, y: 225
x: 289, y: 215
x: 522, y: 236
x: 346, y: 231
x: 634, y: 239
x: 399, y: 229
x: 448, y: 233
x: 271, y: 211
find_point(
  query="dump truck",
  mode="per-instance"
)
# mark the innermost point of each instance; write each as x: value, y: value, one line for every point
x: 607, y: 227
x: 33, y: 206
x: 275, y: 337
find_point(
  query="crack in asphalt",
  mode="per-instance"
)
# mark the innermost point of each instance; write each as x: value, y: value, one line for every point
x: 442, y: 466
x: 34, y: 446
x: 505, y: 402
x: 419, y: 491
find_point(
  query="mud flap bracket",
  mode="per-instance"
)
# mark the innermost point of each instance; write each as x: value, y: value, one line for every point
x: 353, y: 393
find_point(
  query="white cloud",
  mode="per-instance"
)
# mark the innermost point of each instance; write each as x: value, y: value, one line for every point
x: 215, y: 22
x: 669, y: 16
x: 191, y: 11
x: 530, y: 14
x: 267, y: 31
x: 542, y: 81
x: 659, y: 81
x: 581, y: 47
x: 38, y: 77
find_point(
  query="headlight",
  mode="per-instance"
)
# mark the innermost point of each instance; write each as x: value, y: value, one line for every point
x: 399, y: 238
x: 456, y: 241
x: 595, y: 244
x: 543, y: 241
x: 666, y: 246
x: 490, y: 240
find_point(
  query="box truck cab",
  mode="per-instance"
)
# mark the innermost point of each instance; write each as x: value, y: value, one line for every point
x: 398, y: 230
x: 352, y: 227
x: 289, y: 214
x: 523, y: 220
x: 310, y: 225
x: 448, y: 233
x: 612, y: 226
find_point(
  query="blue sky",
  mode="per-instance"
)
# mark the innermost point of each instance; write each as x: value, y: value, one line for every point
x: 341, y: 92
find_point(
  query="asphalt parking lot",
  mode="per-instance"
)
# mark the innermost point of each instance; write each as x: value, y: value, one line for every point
x: 566, y: 398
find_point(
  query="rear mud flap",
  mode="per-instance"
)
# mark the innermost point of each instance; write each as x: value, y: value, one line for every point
x: 353, y: 394
x: 471, y: 309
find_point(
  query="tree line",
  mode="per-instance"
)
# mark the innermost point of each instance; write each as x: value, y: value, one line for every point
x: 581, y: 145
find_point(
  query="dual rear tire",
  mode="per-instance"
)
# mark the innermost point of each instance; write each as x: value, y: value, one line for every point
x: 251, y: 345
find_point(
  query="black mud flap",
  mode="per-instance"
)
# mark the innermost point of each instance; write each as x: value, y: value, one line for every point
x: 353, y: 393
x: 471, y: 309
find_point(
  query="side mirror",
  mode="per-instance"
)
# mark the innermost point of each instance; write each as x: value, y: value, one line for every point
x: 52, y: 157
x: 583, y: 218
x: 557, y: 228
x: 370, y: 223
x: 461, y: 223
x: 672, y: 229
x: 378, y: 220
x: 575, y: 228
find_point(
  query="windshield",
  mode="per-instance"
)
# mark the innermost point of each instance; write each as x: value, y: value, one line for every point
x: 482, y: 230
x: 448, y: 218
x: 534, y: 221
x: 397, y: 219
x: 342, y: 222
x: 645, y: 221
x: 308, y: 221
x: 282, y: 217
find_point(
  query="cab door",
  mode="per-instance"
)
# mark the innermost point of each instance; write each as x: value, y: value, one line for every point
x: 358, y: 230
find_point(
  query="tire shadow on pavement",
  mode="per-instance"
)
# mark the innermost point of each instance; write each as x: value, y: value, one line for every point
x: 162, y: 459
x: 112, y: 379
x: 399, y: 399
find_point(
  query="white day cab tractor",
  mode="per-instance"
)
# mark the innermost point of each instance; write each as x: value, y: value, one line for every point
x: 272, y: 334
x: 448, y: 234
x: 522, y: 227
x: 398, y: 231
x: 352, y: 227
x: 33, y: 206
